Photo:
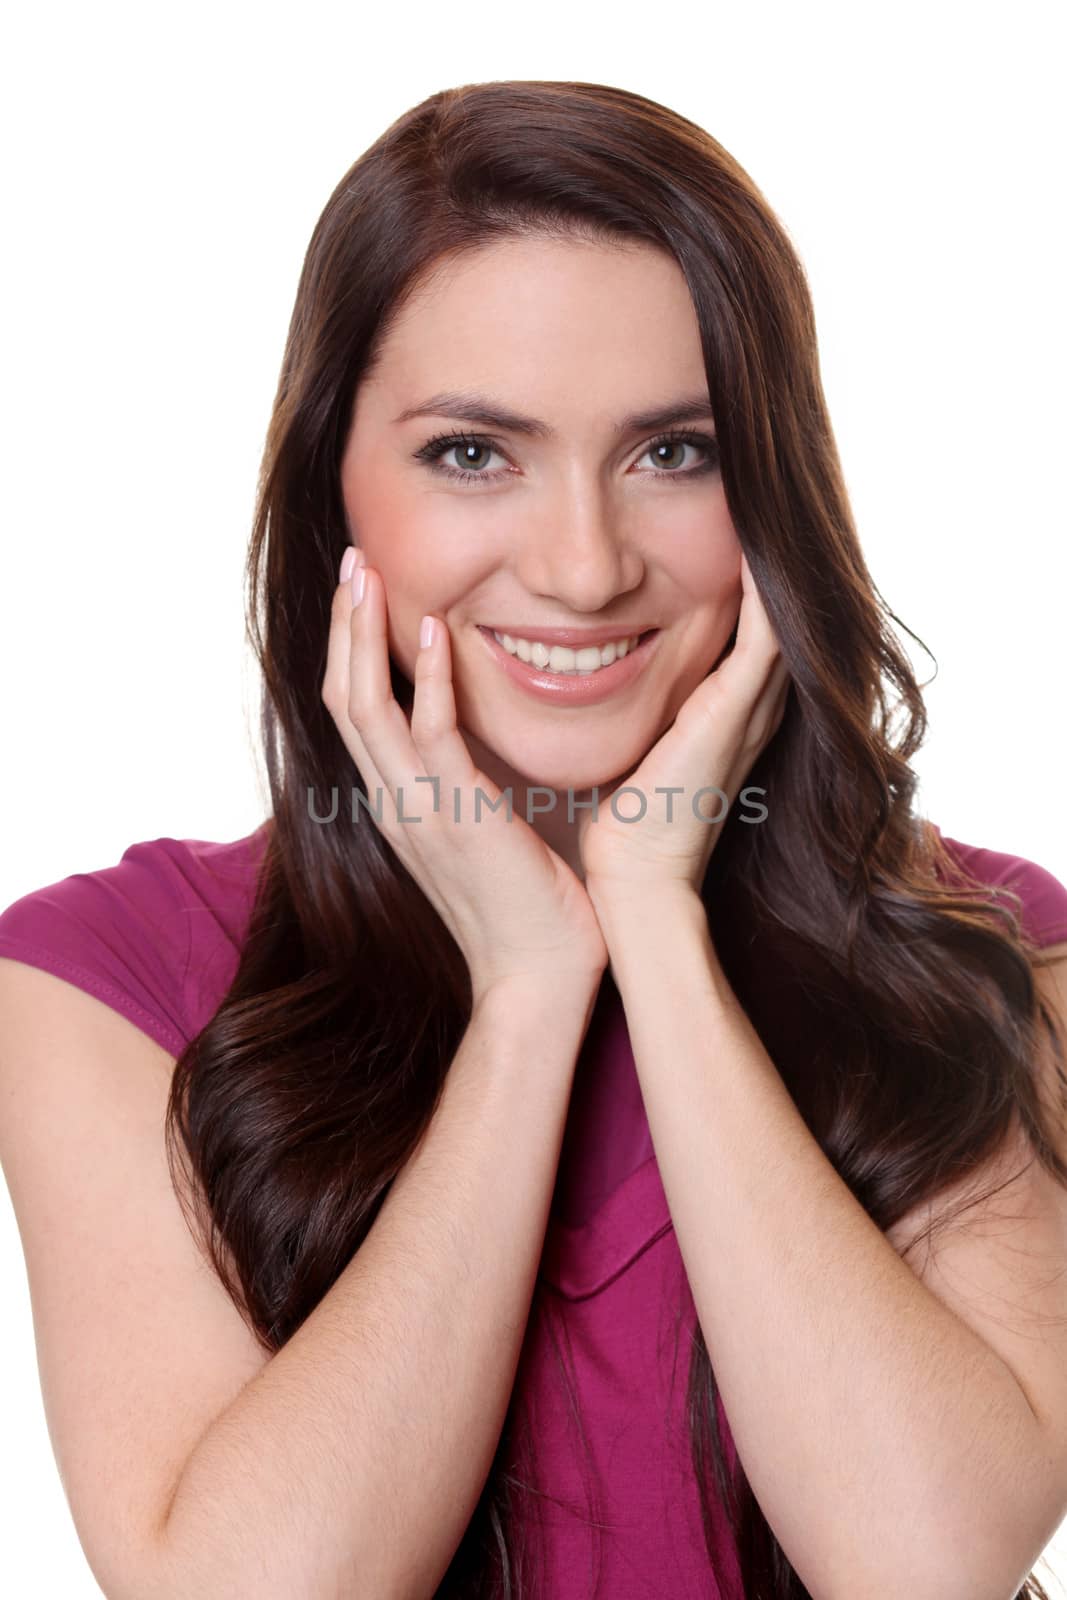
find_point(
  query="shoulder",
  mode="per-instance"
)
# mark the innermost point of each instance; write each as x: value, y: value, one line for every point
x: 155, y: 935
x: 1041, y: 894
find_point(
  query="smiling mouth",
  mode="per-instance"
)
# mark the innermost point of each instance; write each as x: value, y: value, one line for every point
x: 537, y: 654
x: 567, y: 684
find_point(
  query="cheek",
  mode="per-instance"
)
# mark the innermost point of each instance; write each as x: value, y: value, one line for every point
x: 396, y: 552
x: 416, y: 581
x: 717, y: 594
x: 702, y: 555
x: 415, y: 560
x: 722, y: 586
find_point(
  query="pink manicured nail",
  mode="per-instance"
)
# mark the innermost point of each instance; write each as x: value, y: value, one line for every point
x: 359, y: 581
x: 348, y: 561
x: 426, y: 633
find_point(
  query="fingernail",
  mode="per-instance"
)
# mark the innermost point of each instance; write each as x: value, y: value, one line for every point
x: 348, y: 561
x: 426, y: 633
x: 359, y: 582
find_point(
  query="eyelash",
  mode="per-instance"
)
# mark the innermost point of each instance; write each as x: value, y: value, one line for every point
x: 436, y: 447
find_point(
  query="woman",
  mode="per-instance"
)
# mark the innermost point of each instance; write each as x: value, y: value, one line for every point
x: 482, y: 1112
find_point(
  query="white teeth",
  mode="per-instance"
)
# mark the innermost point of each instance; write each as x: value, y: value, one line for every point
x: 558, y: 658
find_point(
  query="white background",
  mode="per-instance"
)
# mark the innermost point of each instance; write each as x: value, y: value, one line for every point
x: 164, y: 169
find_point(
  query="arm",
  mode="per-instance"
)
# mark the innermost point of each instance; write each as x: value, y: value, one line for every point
x: 352, y: 1463
x: 890, y: 1447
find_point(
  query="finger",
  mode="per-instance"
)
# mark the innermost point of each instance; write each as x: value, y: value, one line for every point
x: 434, y: 725
x: 336, y: 685
x: 754, y: 631
x: 372, y: 708
x: 338, y: 647
x: 774, y: 703
x: 747, y: 668
x: 740, y: 694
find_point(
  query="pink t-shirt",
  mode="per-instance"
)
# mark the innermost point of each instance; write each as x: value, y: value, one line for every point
x: 157, y: 936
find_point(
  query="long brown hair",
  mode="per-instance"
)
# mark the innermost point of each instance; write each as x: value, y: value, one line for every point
x: 913, y: 1018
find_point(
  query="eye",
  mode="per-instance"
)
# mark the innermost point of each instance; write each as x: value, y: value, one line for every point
x: 432, y: 451
x: 705, y: 442
x: 474, y: 444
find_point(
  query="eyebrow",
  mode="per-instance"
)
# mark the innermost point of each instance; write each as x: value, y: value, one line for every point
x: 480, y: 408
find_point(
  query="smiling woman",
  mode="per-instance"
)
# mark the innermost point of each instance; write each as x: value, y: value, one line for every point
x: 599, y: 439
x: 479, y: 1118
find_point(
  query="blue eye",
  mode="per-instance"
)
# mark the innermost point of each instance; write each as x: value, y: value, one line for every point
x: 431, y: 452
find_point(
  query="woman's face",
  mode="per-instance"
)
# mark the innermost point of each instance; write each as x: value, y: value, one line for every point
x: 579, y: 526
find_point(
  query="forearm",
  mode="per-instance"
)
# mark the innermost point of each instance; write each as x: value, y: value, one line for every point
x: 353, y: 1462
x: 888, y: 1445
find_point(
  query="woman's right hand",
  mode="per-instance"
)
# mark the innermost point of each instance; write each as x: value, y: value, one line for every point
x: 513, y: 905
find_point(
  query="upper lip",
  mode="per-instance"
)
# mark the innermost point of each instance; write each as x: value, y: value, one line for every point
x: 576, y: 638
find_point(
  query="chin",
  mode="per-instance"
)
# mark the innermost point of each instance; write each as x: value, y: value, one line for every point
x: 568, y: 758
x: 576, y: 777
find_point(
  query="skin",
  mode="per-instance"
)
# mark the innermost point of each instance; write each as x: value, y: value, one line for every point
x: 577, y: 529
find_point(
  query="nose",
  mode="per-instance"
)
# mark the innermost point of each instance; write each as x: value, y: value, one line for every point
x: 579, y: 554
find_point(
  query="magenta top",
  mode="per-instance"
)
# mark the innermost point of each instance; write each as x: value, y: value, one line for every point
x: 156, y: 937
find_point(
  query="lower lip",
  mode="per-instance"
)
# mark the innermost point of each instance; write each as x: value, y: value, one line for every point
x: 574, y: 688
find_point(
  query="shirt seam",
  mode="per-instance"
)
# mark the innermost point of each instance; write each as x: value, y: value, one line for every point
x: 91, y: 982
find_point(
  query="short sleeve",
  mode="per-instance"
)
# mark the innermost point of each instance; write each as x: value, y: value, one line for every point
x: 1043, y: 897
x: 155, y: 937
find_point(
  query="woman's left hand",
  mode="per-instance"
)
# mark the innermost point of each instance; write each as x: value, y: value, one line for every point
x: 713, y: 743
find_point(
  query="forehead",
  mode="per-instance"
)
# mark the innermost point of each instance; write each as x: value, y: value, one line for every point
x: 547, y: 321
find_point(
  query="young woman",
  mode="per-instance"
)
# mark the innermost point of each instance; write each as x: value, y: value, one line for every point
x: 613, y: 1144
